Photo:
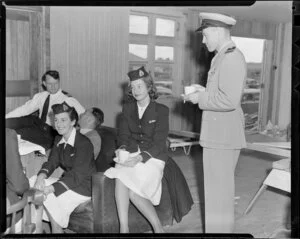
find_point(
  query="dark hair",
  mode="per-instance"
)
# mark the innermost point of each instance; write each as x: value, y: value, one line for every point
x: 73, y: 115
x: 99, y: 115
x: 150, y: 86
x: 53, y: 74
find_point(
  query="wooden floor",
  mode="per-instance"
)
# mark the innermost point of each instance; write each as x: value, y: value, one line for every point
x: 270, y: 213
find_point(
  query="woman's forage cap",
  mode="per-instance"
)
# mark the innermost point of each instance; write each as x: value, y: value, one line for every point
x: 61, y: 108
x: 208, y: 19
x: 137, y: 74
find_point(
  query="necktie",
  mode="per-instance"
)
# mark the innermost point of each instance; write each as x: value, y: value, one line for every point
x: 45, y: 109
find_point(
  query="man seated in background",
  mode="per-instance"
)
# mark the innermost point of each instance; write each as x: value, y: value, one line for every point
x: 88, y: 122
x: 40, y: 129
x: 16, y: 180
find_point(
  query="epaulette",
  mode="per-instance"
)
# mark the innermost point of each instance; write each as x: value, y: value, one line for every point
x: 66, y: 93
x: 231, y: 49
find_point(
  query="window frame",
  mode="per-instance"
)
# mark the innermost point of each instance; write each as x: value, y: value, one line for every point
x: 152, y: 40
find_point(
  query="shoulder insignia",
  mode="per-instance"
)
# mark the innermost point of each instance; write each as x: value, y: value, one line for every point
x: 231, y: 49
x: 66, y: 93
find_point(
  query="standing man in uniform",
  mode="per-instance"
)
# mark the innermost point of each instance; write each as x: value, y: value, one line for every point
x: 222, y: 128
x: 39, y: 130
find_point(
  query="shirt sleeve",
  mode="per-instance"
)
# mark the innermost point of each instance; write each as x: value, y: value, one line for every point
x: 29, y: 107
x: 74, y: 103
x: 80, y: 170
x: 53, y: 161
x: 159, y: 137
x: 232, y: 74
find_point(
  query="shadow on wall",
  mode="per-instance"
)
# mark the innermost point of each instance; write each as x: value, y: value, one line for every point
x: 123, y: 99
x: 200, y: 56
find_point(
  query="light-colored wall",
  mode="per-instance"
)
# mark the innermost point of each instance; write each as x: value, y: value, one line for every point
x: 89, y: 47
x: 281, y: 105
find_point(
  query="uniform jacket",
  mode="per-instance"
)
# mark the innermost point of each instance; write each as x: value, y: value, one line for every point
x: 16, y: 180
x: 37, y: 103
x: 95, y: 139
x: 223, y: 119
x: 149, y: 133
x: 77, y: 162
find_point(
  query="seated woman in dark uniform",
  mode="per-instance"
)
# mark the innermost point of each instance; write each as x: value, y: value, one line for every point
x: 143, y: 131
x: 73, y: 152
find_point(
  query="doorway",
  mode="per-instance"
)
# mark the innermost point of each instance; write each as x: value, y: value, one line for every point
x: 24, y: 53
x: 253, y: 50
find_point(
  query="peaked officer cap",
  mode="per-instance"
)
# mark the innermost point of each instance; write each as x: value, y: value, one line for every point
x: 215, y: 20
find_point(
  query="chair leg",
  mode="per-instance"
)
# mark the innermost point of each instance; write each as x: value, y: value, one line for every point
x: 28, y: 226
x: 39, y: 219
x: 262, y: 188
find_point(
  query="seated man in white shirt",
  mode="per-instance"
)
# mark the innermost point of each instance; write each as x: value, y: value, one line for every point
x: 40, y: 129
x: 88, y: 122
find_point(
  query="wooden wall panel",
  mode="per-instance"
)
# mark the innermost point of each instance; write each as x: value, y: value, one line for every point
x: 17, y: 57
x: 89, y: 47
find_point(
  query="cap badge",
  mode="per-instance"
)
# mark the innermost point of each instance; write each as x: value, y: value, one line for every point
x: 65, y: 107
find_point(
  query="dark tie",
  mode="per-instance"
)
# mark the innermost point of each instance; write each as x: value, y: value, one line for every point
x: 45, y: 109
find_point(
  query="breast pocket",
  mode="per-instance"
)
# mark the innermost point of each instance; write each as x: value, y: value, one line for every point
x: 149, y: 127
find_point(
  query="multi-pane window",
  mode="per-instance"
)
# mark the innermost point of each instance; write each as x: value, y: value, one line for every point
x: 152, y: 44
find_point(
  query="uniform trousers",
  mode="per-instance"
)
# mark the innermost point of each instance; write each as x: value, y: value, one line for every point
x: 33, y: 129
x: 219, y: 188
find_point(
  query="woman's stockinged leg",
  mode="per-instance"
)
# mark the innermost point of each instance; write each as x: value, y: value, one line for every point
x: 122, y: 201
x: 148, y: 210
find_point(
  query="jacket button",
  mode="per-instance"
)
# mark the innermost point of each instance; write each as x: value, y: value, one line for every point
x: 140, y: 126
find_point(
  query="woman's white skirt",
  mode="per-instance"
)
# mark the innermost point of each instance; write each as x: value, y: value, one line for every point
x: 61, y: 207
x: 144, y: 178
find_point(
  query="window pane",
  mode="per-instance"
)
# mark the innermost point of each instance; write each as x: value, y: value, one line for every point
x: 163, y: 72
x: 165, y: 27
x: 163, y: 79
x: 164, y: 53
x: 138, y: 24
x: 137, y: 52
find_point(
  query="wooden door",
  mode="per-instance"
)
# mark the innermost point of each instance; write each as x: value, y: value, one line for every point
x: 24, y: 64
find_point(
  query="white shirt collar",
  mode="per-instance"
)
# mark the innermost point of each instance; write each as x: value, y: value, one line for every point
x: 71, y: 139
x: 141, y: 110
x: 57, y: 93
x: 144, y: 107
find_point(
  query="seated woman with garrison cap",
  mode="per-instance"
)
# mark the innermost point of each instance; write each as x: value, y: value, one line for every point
x: 143, y: 133
x: 73, y: 152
